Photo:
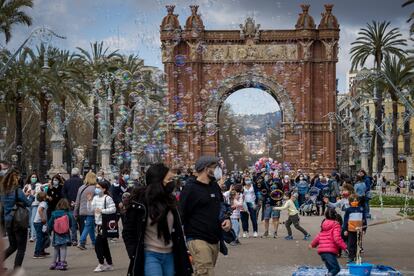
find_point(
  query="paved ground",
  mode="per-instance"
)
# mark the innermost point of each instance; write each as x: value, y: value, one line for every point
x: 388, y: 244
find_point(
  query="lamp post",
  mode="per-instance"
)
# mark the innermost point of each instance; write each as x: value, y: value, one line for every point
x: 45, y: 35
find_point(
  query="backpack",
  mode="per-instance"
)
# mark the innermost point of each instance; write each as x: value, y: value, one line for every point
x: 61, y: 225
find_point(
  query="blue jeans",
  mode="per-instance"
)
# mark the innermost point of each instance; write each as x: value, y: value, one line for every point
x: 160, y: 264
x: 89, y: 228
x: 245, y: 218
x: 39, y: 247
x: 331, y: 263
x: 73, y: 229
x: 33, y: 211
x: 367, y: 210
x: 236, y: 227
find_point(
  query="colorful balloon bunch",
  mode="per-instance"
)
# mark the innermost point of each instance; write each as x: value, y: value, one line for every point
x: 268, y: 164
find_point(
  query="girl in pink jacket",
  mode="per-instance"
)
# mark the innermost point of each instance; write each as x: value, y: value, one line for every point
x: 329, y: 242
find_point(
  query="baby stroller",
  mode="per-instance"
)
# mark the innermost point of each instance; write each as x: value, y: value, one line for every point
x: 309, y: 206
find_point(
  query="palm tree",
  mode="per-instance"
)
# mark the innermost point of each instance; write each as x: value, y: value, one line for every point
x: 65, y: 77
x: 400, y: 73
x: 376, y: 41
x: 97, y: 61
x: 11, y: 14
x: 15, y: 83
x: 409, y: 2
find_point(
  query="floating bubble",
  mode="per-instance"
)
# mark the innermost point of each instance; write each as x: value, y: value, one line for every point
x: 179, y: 60
x: 121, y: 136
x: 140, y: 87
x: 19, y: 148
x: 133, y: 97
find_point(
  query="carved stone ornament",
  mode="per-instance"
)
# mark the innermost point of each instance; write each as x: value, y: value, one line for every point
x: 239, y: 53
x: 167, y: 50
x: 329, y: 48
x: 249, y: 29
x: 306, y: 47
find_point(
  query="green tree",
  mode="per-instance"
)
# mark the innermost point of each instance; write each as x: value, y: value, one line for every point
x: 11, y: 14
x: 15, y: 84
x: 409, y: 2
x: 231, y: 146
x: 377, y: 41
x: 400, y: 72
x: 97, y: 61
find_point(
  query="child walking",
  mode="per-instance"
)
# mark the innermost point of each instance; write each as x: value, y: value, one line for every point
x: 293, y: 217
x: 60, y: 222
x: 354, y: 221
x: 100, y: 204
x: 236, y: 203
x: 329, y: 242
x: 40, y: 225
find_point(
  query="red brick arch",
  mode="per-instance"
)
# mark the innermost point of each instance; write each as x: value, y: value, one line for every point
x: 297, y: 67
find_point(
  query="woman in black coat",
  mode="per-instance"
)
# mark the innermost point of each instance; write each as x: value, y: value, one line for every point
x: 153, y: 227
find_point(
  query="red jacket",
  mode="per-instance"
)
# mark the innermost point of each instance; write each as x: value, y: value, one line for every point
x: 329, y: 240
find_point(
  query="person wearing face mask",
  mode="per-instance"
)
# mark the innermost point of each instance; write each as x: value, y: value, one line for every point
x: 303, y: 188
x: 85, y: 215
x: 100, y: 204
x: 250, y: 206
x: 118, y: 189
x: 54, y: 194
x: 152, y: 231
x: 33, y: 187
x: 201, y: 204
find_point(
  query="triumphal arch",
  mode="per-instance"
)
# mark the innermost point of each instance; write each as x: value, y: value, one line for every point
x: 297, y: 67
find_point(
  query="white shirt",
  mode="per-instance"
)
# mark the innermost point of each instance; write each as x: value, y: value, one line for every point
x: 249, y: 195
x: 99, y: 202
x: 37, y: 217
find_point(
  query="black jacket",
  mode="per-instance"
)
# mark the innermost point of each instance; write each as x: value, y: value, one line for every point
x: 71, y: 187
x: 134, y: 234
x: 200, y: 206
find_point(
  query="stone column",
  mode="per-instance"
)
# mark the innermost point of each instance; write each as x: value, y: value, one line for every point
x: 364, y: 158
x: 388, y: 170
x: 57, y: 152
x: 105, y: 149
x: 410, y: 169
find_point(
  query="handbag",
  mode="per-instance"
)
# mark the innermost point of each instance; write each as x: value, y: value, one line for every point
x: 20, y: 215
x: 110, y: 227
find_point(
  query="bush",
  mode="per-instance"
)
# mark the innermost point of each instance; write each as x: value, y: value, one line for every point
x: 395, y: 201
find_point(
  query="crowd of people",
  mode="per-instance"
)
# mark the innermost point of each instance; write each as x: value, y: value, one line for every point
x: 176, y: 223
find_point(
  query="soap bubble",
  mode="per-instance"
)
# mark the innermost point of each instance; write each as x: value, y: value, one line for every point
x: 179, y: 60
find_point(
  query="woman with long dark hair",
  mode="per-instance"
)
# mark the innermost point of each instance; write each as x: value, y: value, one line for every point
x: 152, y: 232
x: 10, y: 194
x: 54, y: 193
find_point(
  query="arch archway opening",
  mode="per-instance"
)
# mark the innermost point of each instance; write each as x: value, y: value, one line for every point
x: 249, y: 126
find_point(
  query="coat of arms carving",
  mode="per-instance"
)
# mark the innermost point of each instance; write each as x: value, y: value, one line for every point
x: 249, y: 29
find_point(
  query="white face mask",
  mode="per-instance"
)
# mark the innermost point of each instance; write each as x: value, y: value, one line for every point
x: 218, y: 173
x: 99, y: 178
x: 55, y: 183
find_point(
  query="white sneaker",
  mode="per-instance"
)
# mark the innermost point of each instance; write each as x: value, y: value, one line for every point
x: 245, y: 234
x: 255, y: 235
x: 108, y: 267
x: 99, y: 268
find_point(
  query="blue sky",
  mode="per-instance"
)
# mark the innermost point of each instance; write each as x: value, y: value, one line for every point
x: 133, y: 26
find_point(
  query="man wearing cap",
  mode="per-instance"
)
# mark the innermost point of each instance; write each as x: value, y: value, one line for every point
x: 200, y: 203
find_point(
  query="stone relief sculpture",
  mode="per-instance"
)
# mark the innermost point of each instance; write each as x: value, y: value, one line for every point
x: 167, y: 51
x: 329, y: 48
x: 306, y: 46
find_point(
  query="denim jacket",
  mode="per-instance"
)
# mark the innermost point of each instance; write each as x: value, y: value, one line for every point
x: 9, y: 200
